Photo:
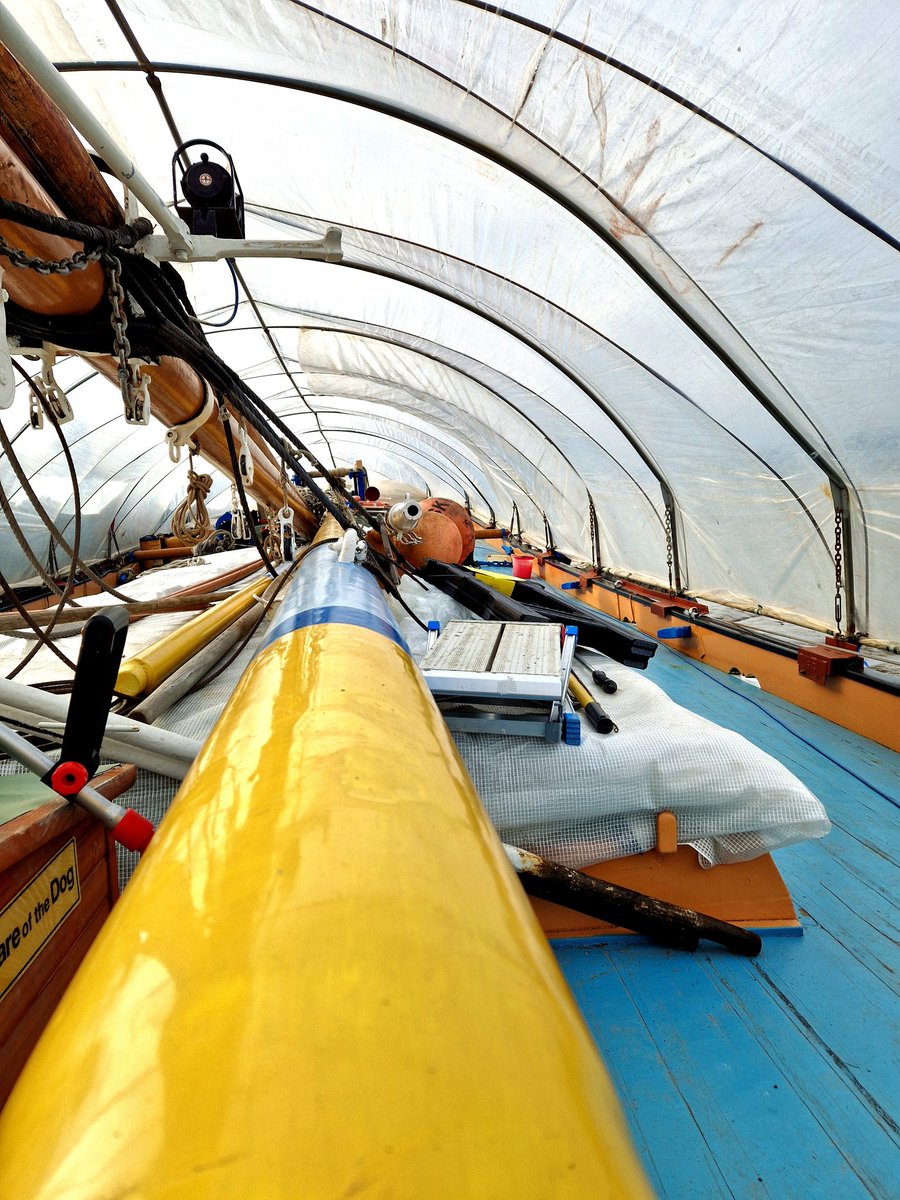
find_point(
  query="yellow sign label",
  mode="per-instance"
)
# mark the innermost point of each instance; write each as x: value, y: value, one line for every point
x: 34, y: 915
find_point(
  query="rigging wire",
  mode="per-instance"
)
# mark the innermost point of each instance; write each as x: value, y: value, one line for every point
x: 40, y: 633
x: 159, y: 285
x: 236, y: 304
x: 43, y: 635
x: 167, y: 324
x: 76, y: 494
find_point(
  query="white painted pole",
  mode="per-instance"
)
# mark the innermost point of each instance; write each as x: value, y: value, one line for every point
x: 124, y: 738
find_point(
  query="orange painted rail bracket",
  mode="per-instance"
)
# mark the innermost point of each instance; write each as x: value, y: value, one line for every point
x: 663, y: 602
x: 819, y: 662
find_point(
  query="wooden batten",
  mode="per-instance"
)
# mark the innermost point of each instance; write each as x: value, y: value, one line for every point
x: 751, y: 894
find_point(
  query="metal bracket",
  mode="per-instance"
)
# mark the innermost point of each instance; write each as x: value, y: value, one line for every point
x: 245, y: 456
x: 210, y: 249
x: 819, y: 663
x: 53, y: 394
x: 178, y: 436
x: 7, y: 382
x: 239, y: 528
x: 136, y: 396
x: 286, y: 531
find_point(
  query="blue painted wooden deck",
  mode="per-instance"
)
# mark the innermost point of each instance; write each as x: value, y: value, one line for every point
x: 778, y: 1076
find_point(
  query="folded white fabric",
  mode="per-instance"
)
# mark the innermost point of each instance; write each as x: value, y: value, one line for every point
x: 600, y: 800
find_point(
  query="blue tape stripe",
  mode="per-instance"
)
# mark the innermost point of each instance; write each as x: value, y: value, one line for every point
x: 337, y: 614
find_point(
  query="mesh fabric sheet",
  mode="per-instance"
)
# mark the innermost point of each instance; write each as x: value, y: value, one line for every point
x: 600, y: 800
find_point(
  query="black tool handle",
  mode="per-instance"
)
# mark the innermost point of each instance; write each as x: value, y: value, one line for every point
x: 102, y: 645
x: 674, y: 926
x: 599, y: 718
x: 609, y: 685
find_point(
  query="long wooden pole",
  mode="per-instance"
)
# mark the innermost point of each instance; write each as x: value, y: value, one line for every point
x: 136, y: 608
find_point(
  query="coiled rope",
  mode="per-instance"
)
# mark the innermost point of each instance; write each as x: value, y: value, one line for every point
x: 190, y: 520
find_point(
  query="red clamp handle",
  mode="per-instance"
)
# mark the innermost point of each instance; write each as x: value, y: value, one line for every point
x: 68, y: 778
x: 133, y: 831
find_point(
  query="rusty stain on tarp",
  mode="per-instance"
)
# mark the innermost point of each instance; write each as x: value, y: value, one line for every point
x: 745, y: 237
x: 638, y: 165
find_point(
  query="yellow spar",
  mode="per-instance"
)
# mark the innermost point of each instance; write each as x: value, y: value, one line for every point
x: 147, y: 670
x: 324, y: 979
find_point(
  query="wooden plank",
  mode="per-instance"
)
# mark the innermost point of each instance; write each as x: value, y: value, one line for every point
x: 807, y: 1061
x: 90, y: 849
x: 762, y: 718
x: 862, y: 916
x: 17, y: 1002
x: 673, y: 1149
x: 832, y: 996
x: 464, y: 646
x: 762, y: 1132
x: 23, y: 1038
x: 527, y: 649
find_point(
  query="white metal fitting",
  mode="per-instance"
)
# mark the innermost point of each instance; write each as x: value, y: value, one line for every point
x: 178, y: 436
x: 7, y: 382
x: 245, y: 456
x: 53, y: 394
x: 401, y: 522
x: 137, y: 399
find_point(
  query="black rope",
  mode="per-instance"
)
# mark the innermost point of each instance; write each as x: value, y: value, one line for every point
x: 91, y: 235
x: 188, y: 341
x: 235, y: 306
x: 170, y: 326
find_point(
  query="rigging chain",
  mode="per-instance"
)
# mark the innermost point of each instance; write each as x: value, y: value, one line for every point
x: 63, y: 266
x: 670, y: 558
x: 132, y: 383
x: 838, y: 569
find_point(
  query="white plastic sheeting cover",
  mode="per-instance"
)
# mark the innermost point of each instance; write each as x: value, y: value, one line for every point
x: 589, y: 803
x: 127, y: 485
x: 626, y: 252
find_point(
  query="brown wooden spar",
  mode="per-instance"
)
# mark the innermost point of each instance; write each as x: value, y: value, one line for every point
x: 30, y: 120
x: 49, y: 295
x: 41, y: 137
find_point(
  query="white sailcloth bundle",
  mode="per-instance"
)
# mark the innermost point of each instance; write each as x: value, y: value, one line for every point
x: 600, y: 800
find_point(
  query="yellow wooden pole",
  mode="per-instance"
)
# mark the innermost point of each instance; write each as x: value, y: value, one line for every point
x: 145, y: 671
x: 324, y: 979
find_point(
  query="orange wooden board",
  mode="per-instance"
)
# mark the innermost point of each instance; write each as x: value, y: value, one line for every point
x: 750, y: 893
